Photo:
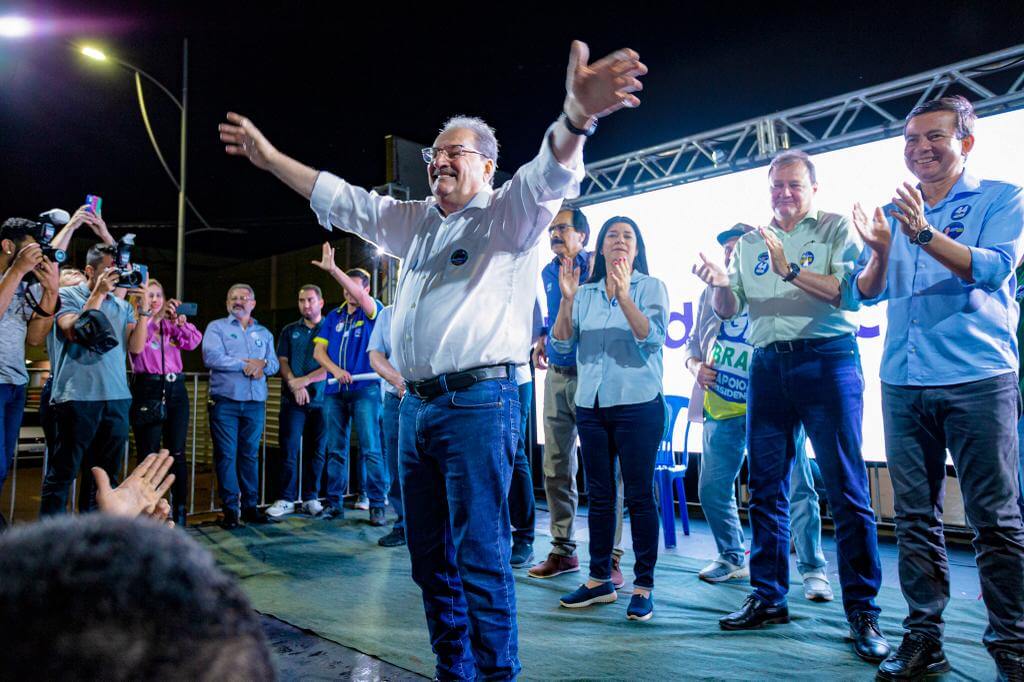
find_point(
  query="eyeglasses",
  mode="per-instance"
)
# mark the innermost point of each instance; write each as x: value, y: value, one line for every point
x: 452, y: 151
x: 561, y: 227
x: 241, y: 299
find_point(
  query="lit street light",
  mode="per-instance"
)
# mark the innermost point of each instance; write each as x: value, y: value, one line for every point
x: 15, y: 27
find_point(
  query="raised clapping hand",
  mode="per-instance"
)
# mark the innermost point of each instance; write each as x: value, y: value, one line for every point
x: 780, y: 266
x: 568, y: 278
x: 140, y: 493
x: 598, y: 89
x: 326, y: 262
x: 242, y: 138
x: 875, y: 232
x: 711, y: 273
x: 909, y: 210
x: 617, y: 280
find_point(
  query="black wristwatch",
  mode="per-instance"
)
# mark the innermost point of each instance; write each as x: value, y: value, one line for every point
x: 923, y: 236
x: 794, y: 270
x: 587, y: 132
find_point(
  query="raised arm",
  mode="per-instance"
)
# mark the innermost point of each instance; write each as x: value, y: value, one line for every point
x: 242, y: 138
x: 354, y: 288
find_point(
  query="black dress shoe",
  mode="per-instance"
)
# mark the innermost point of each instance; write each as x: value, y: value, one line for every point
x: 230, y: 520
x: 754, y: 614
x: 1009, y: 666
x: 918, y: 656
x: 868, y: 641
x: 254, y: 515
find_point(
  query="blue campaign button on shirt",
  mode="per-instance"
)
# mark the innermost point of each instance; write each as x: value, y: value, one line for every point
x: 806, y: 258
x: 960, y: 212
x: 459, y: 257
x: 953, y: 230
x: 762, y: 265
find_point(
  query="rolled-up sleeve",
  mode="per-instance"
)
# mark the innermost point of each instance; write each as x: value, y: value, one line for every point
x: 536, y: 191
x: 998, y: 249
x: 383, y: 220
x: 653, y: 303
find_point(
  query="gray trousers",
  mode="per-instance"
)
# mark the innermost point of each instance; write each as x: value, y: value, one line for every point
x: 561, y: 465
x: 977, y: 423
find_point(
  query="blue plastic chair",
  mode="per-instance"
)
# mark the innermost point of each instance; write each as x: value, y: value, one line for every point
x: 670, y: 472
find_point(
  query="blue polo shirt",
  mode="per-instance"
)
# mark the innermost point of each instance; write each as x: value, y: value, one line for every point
x: 226, y: 346
x: 296, y: 344
x: 347, y: 337
x: 549, y: 276
x: 943, y: 330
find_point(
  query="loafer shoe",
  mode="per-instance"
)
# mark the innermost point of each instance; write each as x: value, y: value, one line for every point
x: 585, y: 596
x: 617, y: 578
x: 754, y: 614
x: 640, y: 607
x: 522, y: 554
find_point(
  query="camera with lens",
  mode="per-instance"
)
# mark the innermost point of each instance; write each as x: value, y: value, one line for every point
x: 45, y: 232
x: 130, y: 275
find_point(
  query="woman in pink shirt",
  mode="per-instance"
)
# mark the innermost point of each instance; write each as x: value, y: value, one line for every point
x: 157, y: 377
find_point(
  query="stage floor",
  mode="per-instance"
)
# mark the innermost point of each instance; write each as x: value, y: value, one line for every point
x: 330, y: 580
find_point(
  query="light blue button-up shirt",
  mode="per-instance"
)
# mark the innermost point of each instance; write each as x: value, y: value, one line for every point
x: 226, y: 346
x: 614, y: 367
x: 942, y: 329
x: 380, y: 341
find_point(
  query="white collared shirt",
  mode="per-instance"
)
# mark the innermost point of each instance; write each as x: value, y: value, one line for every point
x: 468, y: 285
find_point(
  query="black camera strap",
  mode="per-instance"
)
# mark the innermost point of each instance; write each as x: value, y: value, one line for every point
x: 38, y: 309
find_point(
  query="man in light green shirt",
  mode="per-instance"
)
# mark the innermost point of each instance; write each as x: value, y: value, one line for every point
x: 805, y: 371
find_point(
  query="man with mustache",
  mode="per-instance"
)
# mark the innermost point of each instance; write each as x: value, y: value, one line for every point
x: 805, y: 371
x: 461, y: 323
x: 569, y: 234
x: 944, y: 260
x: 240, y: 354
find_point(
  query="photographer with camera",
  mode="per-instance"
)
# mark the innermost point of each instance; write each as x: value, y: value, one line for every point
x: 159, y: 400
x: 28, y: 299
x: 95, y: 331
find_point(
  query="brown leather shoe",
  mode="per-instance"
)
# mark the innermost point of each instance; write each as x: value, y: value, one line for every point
x: 617, y: 580
x: 555, y: 564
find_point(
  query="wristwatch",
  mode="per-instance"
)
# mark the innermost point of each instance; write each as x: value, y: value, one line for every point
x: 794, y: 270
x: 923, y: 236
x: 585, y: 132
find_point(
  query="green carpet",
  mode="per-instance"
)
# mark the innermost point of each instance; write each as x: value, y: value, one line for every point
x: 333, y: 579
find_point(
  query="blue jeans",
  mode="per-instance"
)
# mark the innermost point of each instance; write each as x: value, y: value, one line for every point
x: 455, y: 459
x: 12, y: 408
x: 821, y: 387
x: 1020, y: 463
x: 975, y: 421
x: 361, y: 407
x: 630, y: 434
x: 521, y: 504
x: 236, y: 427
x: 725, y: 445
x: 390, y: 433
x: 302, y: 427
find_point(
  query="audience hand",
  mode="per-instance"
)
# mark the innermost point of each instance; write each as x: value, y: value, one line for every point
x: 598, y: 89
x: 141, y: 492
x: 342, y: 376
x: 568, y: 278
x: 711, y: 273
x: 326, y: 262
x: 780, y: 266
x: 707, y: 375
x: 540, y: 353
x: 301, y: 396
x: 875, y: 233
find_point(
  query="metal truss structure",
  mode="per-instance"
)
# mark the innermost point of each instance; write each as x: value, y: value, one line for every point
x: 994, y: 83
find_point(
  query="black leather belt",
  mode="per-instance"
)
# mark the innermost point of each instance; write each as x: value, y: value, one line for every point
x: 456, y: 381
x: 802, y: 344
x: 170, y: 377
x: 569, y: 371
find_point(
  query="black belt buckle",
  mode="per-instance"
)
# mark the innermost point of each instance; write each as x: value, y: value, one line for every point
x: 786, y: 346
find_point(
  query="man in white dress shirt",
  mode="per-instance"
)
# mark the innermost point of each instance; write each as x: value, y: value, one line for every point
x: 461, y: 323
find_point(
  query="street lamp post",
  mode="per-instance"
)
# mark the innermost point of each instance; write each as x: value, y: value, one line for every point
x: 182, y: 104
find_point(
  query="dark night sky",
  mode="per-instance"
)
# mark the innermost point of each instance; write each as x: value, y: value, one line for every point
x: 327, y: 85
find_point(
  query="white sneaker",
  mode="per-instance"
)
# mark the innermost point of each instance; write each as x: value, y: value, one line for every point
x: 363, y: 502
x: 312, y: 507
x: 719, y: 571
x: 280, y: 508
x: 817, y: 587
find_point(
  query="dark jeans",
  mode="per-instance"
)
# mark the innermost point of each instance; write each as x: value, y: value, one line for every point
x: 236, y: 427
x: 12, y: 408
x: 362, y: 408
x: 95, y: 432
x: 977, y: 422
x: 522, y: 508
x: 389, y: 424
x: 630, y: 434
x: 821, y: 387
x: 171, y: 432
x: 455, y: 460
x: 302, y: 427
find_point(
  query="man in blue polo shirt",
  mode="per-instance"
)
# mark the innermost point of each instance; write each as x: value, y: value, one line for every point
x: 383, y: 361
x: 239, y: 352
x: 944, y: 260
x: 301, y: 417
x: 341, y: 349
